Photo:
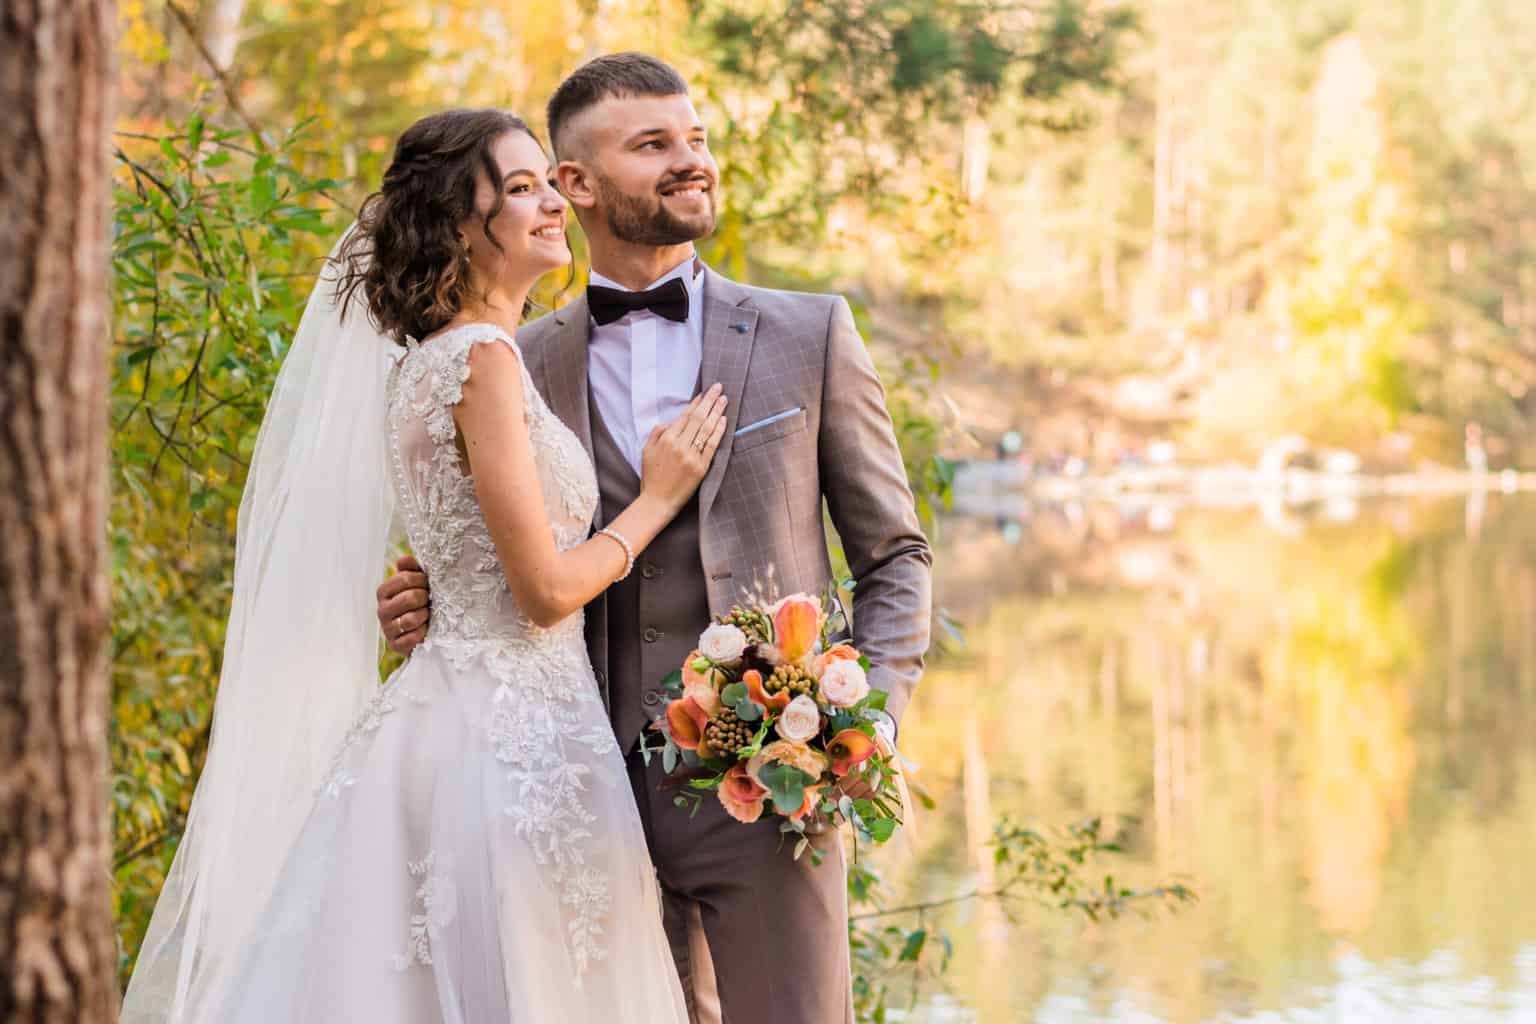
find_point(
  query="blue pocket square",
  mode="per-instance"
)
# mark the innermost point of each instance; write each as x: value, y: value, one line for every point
x: 769, y: 421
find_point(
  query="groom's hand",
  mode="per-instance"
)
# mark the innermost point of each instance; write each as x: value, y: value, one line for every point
x: 855, y: 788
x: 403, y: 606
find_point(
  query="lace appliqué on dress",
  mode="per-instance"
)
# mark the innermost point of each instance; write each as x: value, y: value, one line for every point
x: 435, y: 908
x: 338, y: 778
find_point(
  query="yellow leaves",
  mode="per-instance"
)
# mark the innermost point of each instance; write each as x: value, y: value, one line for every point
x: 179, y: 757
x: 139, y: 34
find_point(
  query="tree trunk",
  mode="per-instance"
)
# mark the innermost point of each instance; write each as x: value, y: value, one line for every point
x: 57, y: 952
x: 221, y: 31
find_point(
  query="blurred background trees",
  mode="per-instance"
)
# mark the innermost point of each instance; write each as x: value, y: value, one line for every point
x: 1099, y: 222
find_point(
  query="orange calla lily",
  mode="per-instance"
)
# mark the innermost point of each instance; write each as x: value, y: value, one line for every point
x: 686, y: 722
x: 849, y: 749
x: 753, y: 680
x: 797, y: 627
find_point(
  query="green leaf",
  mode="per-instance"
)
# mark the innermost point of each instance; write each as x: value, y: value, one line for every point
x: 749, y: 710
x: 673, y: 683
x: 786, y: 785
x: 734, y: 694
x: 263, y: 194
x: 913, y: 948
x: 881, y: 829
x: 788, y: 801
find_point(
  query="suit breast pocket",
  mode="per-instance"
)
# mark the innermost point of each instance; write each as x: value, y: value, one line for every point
x: 766, y: 429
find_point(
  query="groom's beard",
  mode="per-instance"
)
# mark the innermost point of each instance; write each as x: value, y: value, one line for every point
x: 645, y: 220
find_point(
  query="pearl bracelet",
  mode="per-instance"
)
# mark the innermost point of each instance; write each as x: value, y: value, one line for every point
x: 629, y: 552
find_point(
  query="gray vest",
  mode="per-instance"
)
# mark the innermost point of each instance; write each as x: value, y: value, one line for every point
x: 655, y: 616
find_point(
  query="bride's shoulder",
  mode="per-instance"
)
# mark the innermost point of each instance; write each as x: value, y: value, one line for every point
x: 462, y: 336
x: 451, y: 346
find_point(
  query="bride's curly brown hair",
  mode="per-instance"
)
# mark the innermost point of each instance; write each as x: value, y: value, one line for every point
x: 405, y: 252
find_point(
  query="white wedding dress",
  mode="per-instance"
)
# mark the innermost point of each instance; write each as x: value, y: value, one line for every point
x: 474, y: 855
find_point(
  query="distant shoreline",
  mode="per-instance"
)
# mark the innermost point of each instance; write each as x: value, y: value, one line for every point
x: 1226, y: 485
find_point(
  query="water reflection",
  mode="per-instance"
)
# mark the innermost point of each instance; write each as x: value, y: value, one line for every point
x: 1321, y: 717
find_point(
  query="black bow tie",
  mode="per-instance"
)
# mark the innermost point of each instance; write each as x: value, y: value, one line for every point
x: 669, y: 299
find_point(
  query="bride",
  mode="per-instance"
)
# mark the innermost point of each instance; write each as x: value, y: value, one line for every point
x: 461, y: 844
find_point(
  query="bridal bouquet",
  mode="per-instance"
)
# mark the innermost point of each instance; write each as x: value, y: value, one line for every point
x: 774, y: 718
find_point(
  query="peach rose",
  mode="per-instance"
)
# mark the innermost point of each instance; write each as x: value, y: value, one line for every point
x: 741, y: 795
x: 723, y: 644
x: 842, y: 652
x: 800, y: 721
x: 796, y: 755
x: 844, y: 684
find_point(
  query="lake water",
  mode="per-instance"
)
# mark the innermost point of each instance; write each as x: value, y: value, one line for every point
x: 1321, y: 719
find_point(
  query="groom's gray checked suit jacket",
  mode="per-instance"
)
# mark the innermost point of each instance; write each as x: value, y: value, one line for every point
x: 806, y: 421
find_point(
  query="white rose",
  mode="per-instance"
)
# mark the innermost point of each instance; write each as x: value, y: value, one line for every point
x: 723, y: 644
x: 844, y: 683
x: 801, y: 721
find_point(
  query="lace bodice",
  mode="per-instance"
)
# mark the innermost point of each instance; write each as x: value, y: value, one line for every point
x: 473, y: 612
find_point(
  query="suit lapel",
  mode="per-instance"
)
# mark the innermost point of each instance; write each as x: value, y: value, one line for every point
x: 565, y: 377
x: 730, y: 330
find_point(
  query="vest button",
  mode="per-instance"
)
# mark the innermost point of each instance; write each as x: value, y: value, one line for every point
x: 651, y: 698
x: 650, y: 571
x: 652, y: 635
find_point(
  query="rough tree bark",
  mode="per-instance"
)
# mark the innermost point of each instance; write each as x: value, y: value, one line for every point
x: 57, y: 952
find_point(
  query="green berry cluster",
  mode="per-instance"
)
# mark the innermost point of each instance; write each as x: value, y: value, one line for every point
x: 750, y: 621
x: 726, y: 734
x: 792, y: 679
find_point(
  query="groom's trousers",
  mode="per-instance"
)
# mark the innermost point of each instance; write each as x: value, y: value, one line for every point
x: 776, y: 929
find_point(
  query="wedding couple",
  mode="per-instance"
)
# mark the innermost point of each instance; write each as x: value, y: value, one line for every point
x: 480, y: 840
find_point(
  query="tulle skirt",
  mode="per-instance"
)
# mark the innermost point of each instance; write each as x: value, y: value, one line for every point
x: 473, y: 856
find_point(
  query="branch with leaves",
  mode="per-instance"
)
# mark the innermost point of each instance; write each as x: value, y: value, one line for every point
x: 891, y: 944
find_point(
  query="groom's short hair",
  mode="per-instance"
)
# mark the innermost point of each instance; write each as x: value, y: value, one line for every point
x: 618, y: 74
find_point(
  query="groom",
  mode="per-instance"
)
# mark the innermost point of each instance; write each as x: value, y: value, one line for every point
x: 750, y: 926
